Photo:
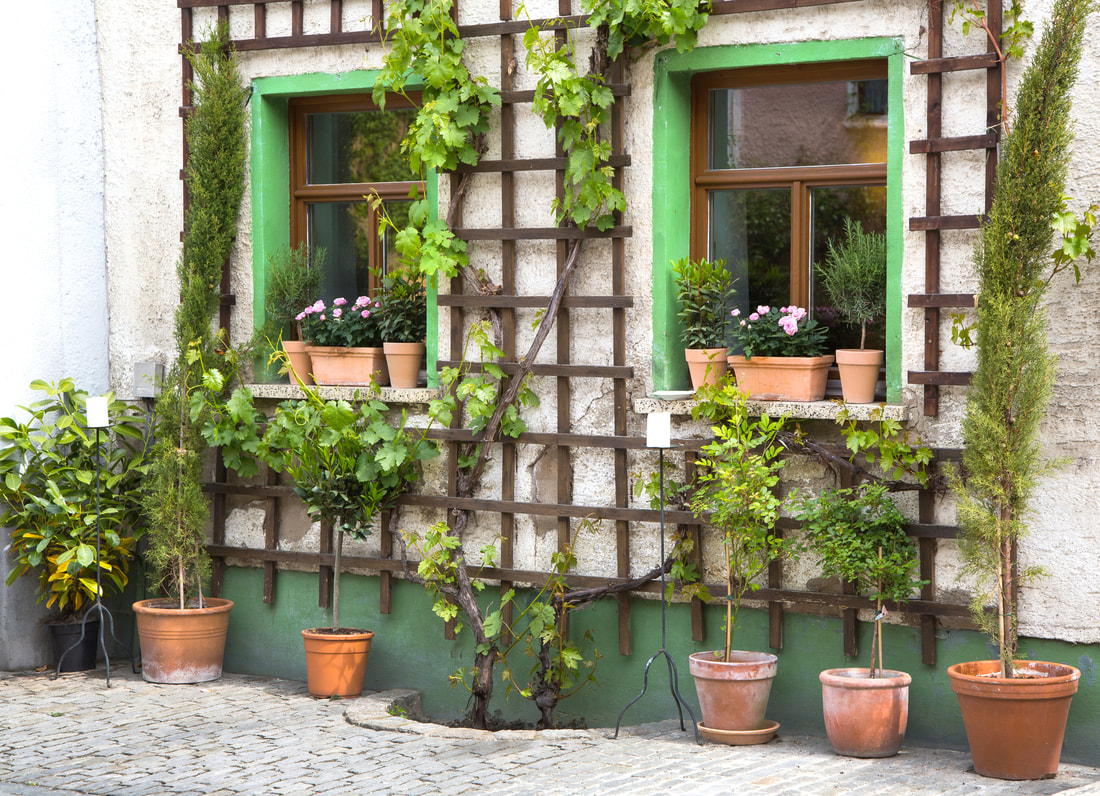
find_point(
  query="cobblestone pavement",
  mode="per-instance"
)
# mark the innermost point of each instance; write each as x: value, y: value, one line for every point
x: 252, y: 735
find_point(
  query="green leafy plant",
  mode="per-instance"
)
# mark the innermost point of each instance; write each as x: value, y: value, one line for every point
x: 859, y: 536
x: 404, y: 306
x: 703, y: 288
x: 48, y: 496
x: 647, y: 23
x: 883, y: 441
x: 1015, y: 374
x: 293, y: 282
x: 356, y: 325
x: 854, y: 276
x: 778, y: 332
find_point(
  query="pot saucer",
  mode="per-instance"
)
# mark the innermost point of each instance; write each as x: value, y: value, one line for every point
x: 741, y: 737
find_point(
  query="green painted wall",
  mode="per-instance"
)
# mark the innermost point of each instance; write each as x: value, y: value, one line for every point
x: 409, y: 651
x: 672, y: 180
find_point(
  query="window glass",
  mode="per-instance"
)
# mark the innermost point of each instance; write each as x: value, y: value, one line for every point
x: 751, y: 231
x: 362, y: 146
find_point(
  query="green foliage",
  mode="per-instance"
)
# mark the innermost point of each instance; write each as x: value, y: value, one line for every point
x: 343, y: 324
x: 779, y: 332
x: 647, y: 23
x: 48, y: 495
x: 293, y: 282
x: 854, y: 275
x: 404, y: 306
x: 1015, y: 31
x: 1015, y: 374
x: 703, y: 289
x: 885, y: 441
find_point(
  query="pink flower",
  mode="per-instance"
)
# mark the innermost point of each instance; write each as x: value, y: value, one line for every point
x: 340, y: 302
x: 754, y: 317
x: 362, y: 301
x: 366, y: 313
x: 789, y: 324
x: 743, y: 322
x: 783, y: 310
x: 796, y: 312
x: 308, y: 310
x: 319, y: 306
x: 323, y: 316
x: 735, y: 313
x: 301, y: 316
x: 336, y: 313
x: 763, y: 309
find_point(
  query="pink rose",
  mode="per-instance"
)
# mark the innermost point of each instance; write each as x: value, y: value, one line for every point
x: 366, y: 313
x: 336, y: 313
x: 763, y: 309
x: 340, y: 302
x: 754, y: 317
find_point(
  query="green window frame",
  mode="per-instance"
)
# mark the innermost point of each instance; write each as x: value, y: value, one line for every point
x: 269, y: 186
x: 672, y: 190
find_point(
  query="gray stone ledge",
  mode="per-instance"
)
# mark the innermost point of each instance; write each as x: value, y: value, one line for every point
x: 812, y: 410
x: 389, y: 395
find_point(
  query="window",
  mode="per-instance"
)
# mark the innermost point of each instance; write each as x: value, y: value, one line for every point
x: 343, y: 150
x: 779, y: 159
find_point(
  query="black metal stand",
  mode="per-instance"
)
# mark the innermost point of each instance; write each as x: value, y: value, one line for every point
x: 672, y: 676
x: 98, y: 607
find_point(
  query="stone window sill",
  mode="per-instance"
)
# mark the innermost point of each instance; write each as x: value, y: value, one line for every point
x: 814, y: 410
x: 389, y: 395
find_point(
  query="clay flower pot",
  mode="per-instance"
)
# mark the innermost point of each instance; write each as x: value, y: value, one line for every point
x: 705, y: 365
x: 301, y: 369
x: 347, y: 367
x: 336, y: 660
x: 1014, y: 725
x: 865, y: 716
x: 859, y: 370
x: 182, y: 646
x: 403, y: 360
x: 733, y: 695
x: 782, y: 378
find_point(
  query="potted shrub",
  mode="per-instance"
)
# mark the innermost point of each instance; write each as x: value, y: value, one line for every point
x: 734, y: 493
x: 345, y: 341
x: 1015, y: 710
x: 347, y: 463
x: 404, y: 325
x: 783, y: 354
x: 859, y: 536
x: 48, y: 498
x: 703, y: 289
x: 293, y: 281
x: 854, y: 276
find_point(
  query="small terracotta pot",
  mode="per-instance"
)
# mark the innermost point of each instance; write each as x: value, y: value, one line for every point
x: 733, y: 695
x: 300, y: 365
x: 859, y: 371
x: 1014, y: 725
x: 347, y: 367
x: 705, y: 365
x: 782, y: 378
x: 403, y: 360
x: 336, y: 662
x: 865, y: 716
x: 182, y: 646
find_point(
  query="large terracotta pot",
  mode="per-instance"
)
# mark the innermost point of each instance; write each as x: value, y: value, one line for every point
x: 336, y: 662
x: 859, y: 370
x: 1014, y: 725
x: 865, y: 716
x: 300, y: 366
x: 705, y: 365
x: 403, y: 360
x: 782, y: 378
x: 182, y: 646
x: 347, y: 367
x: 733, y: 695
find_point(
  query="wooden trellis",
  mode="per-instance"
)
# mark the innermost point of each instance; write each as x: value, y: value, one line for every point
x: 564, y: 441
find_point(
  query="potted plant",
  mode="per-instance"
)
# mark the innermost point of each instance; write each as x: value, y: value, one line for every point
x: 859, y: 536
x: 703, y: 289
x: 345, y: 341
x: 735, y: 494
x: 783, y: 354
x: 1015, y: 710
x: 48, y: 498
x: 854, y: 276
x: 293, y: 281
x: 404, y: 325
x: 348, y: 463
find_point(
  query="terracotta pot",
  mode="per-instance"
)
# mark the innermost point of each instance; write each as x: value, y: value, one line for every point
x: 82, y: 657
x: 706, y: 365
x: 347, y: 367
x: 733, y: 695
x: 300, y: 365
x: 182, y: 646
x: 336, y: 662
x: 403, y: 360
x: 865, y: 716
x: 782, y: 378
x: 859, y: 371
x: 1014, y: 725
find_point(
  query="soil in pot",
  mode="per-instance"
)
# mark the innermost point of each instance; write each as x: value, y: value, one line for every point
x: 182, y: 646
x: 336, y: 660
x: 733, y: 695
x: 865, y: 716
x: 63, y: 635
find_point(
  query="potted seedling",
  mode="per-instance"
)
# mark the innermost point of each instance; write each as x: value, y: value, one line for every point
x: 703, y: 288
x: 735, y: 493
x: 854, y: 276
x: 293, y: 282
x: 859, y: 536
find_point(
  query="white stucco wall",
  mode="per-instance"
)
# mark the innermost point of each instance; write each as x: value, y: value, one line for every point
x: 53, y: 278
x: 138, y: 41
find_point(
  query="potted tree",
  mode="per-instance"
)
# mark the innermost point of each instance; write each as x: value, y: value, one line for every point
x: 293, y: 281
x: 735, y: 493
x: 47, y: 496
x: 782, y: 354
x: 854, y: 276
x: 345, y: 341
x: 703, y: 289
x: 404, y: 325
x: 859, y: 536
x: 1015, y: 710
